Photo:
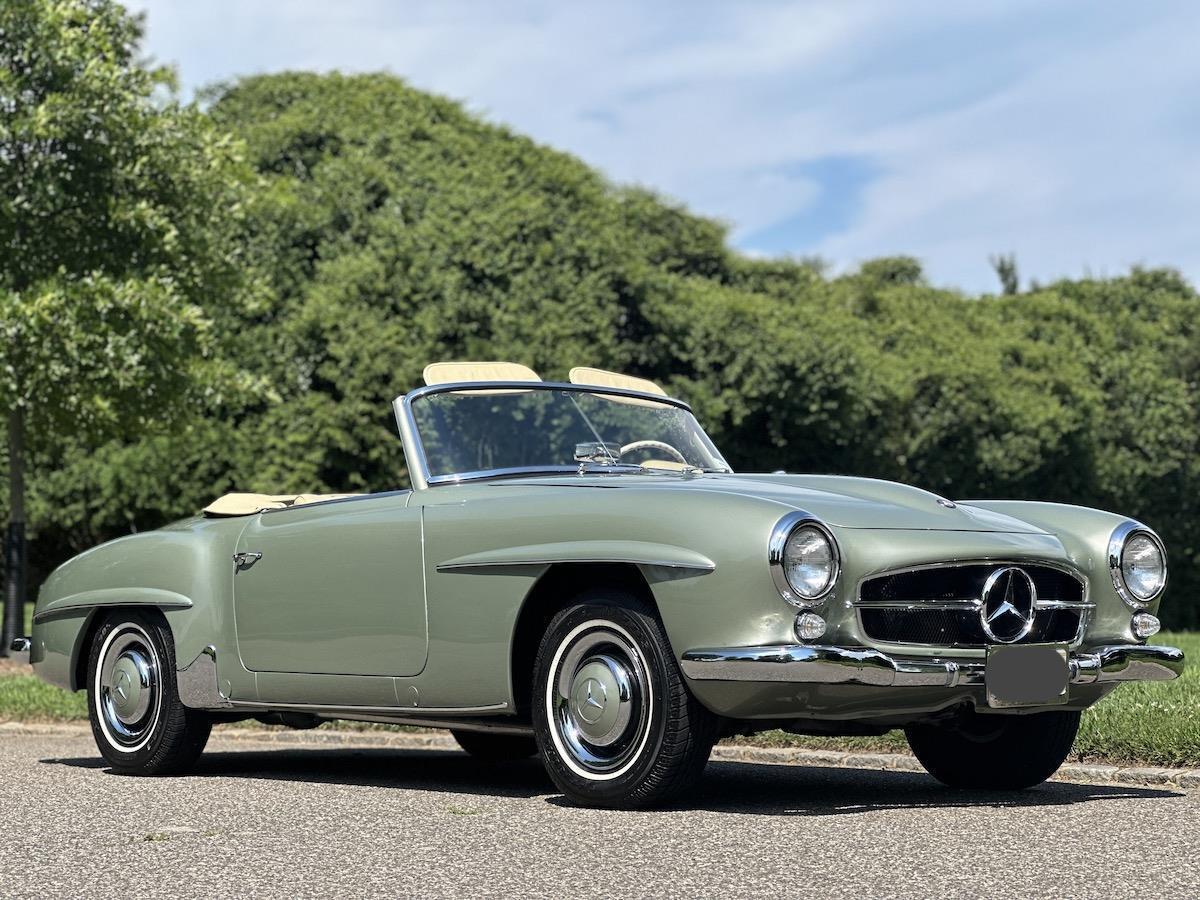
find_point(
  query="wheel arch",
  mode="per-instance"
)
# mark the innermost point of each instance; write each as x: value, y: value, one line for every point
x: 94, y: 619
x: 553, y: 591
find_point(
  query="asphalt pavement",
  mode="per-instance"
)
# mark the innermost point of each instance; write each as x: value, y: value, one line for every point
x: 271, y: 820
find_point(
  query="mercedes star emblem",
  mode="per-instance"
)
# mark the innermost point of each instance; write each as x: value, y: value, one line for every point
x: 592, y: 707
x: 1008, y: 605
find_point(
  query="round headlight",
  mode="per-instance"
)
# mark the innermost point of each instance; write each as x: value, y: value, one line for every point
x: 804, y: 560
x: 1143, y: 567
x: 1138, y: 564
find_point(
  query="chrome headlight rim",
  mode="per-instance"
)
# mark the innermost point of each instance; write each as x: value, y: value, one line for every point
x: 780, y: 535
x: 1121, y: 536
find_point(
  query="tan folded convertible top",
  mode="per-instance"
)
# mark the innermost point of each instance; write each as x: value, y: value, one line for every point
x: 249, y: 504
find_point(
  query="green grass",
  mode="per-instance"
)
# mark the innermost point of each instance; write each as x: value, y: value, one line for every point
x: 1139, y: 724
x: 28, y: 629
x: 24, y: 698
x: 1158, y: 724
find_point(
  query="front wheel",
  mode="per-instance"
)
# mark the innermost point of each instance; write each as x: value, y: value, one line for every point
x: 139, y: 723
x: 995, y: 752
x: 615, y: 723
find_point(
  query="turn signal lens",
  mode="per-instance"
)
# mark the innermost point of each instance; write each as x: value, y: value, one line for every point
x: 809, y: 626
x: 1145, y: 626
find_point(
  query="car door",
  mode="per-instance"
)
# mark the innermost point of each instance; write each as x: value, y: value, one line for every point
x: 333, y: 588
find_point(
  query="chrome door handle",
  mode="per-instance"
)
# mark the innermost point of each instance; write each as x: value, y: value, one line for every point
x: 244, y: 559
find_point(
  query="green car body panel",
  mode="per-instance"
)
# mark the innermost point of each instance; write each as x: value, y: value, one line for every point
x: 410, y: 603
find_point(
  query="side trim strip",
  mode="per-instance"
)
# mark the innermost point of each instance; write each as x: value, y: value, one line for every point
x: 496, y: 725
x: 397, y: 711
x: 113, y: 597
x: 638, y: 553
x: 663, y: 563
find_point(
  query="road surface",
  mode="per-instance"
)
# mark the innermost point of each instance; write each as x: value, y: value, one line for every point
x: 272, y: 820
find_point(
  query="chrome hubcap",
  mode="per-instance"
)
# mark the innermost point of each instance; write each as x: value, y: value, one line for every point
x: 127, y: 688
x: 598, y: 699
x: 601, y: 700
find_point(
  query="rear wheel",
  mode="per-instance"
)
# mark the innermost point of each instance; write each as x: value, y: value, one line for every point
x: 139, y: 723
x: 615, y: 723
x: 995, y: 752
x: 495, y: 747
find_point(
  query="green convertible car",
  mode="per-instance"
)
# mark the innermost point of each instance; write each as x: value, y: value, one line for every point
x: 577, y: 573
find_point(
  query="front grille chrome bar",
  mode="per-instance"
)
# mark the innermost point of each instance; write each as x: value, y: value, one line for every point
x: 965, y: 605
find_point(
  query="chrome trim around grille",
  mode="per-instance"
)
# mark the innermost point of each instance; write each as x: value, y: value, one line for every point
x: 1085, y: 606
x: 976, y: 603
x: 800, y: 664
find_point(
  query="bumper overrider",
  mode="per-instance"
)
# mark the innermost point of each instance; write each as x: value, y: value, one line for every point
x: 806, y: 664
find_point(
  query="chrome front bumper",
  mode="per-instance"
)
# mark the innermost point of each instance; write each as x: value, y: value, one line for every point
x: 839, y: 665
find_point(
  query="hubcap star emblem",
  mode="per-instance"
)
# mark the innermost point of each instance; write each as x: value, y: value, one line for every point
x: 591, y: 700
x: 119, y: 688
x: 594, y: 697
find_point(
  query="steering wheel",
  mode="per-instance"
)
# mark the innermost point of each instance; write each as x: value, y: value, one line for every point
x: 654, y: 445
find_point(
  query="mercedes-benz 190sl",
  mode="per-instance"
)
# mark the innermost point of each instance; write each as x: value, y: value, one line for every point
x: 577, y: 573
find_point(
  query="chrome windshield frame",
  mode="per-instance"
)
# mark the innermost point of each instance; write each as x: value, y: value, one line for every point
x: 414, y: 452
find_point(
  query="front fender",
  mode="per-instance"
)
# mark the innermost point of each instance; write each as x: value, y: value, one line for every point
x: 1084, y: 534
x: 185, y: 570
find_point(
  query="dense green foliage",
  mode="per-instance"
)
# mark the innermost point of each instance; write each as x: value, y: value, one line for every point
x: 113, y: 264
x: 391, y: 229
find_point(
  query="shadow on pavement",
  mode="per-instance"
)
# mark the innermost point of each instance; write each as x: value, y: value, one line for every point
x: 420, y: 770
x: 819, y: 791
x: 728, y: 787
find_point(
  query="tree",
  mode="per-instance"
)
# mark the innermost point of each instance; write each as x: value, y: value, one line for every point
x: 118, y: 219
x: 1005, y: 266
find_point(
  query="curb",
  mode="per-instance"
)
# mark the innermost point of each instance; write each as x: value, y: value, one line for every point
x: 786, y: 756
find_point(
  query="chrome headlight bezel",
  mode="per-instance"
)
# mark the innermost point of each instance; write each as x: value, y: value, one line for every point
x: 1121, y: 536
x: 783, y: 531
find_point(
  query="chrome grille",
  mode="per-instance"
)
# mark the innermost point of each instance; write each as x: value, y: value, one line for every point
x: 939, y: 606
x: 959, y: 628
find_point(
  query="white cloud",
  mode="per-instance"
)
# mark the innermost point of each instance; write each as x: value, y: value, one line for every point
x: 1060, y: 131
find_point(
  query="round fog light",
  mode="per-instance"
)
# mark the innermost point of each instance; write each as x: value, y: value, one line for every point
x: 1143, y: 625
x: 809, y: 626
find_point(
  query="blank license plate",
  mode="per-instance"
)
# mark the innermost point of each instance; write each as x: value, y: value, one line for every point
x: 1027, y: 675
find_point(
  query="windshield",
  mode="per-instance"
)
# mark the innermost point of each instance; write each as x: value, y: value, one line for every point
x: 552, y: 429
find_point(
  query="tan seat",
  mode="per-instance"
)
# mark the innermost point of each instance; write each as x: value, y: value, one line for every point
x: 451, y: 372
x: 248, y: 504
x: 604, y: 378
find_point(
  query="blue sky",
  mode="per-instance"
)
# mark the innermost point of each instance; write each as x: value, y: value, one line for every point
x: 1063, y: 132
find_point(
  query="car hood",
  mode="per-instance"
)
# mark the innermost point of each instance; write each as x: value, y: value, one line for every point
x: 838, y: 500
